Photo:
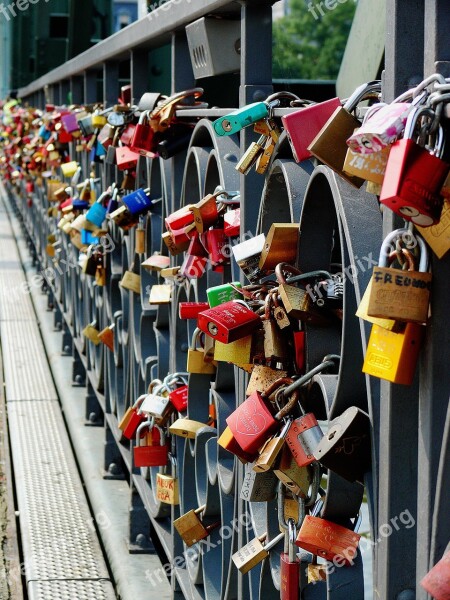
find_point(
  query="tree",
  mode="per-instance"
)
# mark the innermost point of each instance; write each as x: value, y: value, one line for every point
x: 309, y: 44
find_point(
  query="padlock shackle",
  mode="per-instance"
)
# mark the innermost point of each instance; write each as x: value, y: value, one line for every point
x: 269, y: 545
x: 145, y: 425
x: 398, y: 233
x: 328, y: 362
x: 362, y: 92
x: 292, y: 537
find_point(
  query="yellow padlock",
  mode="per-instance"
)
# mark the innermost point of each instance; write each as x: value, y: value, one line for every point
x: 69, y: 169
x: 196, y: 358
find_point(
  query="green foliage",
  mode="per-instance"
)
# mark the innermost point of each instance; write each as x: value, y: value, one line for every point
x: 310, y: 48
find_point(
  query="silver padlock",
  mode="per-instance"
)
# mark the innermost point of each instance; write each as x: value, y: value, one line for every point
x: 258, y: 487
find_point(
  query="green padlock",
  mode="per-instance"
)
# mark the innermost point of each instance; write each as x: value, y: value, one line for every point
x: 220, y: 294
x: 243, y: 117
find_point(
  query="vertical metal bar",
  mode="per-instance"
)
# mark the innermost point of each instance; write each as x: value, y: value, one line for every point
x: 182, y: 79
x: 110, y: 82
x: 434, y: 376
x: 76, y: 88
x: 64, y: 91
x: 138, y: 73
x: 90, y: 87
x: 395, y: 560
x: 57, y: 93
x: 256, y: 85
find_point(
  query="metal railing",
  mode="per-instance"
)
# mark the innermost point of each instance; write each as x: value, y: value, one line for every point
x: 337, y: 224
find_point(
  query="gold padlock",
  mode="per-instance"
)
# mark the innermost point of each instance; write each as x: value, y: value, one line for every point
x: 160, y: 294
x: 131, y: 281
x: 157, y: 262
x: 262, y: 378
x: 237, y: 352
x: 370, y: 167
x: 295, y: 478
x: 254, y: 552
x: 297, y: 302
x: 91, y: 333
x: 280, y: 246
x: 186, y: 428
x: 167, y: 489
x: 438, y: 236
x: 196, y: 358
x: 269, y: 453
x: 139, y: 240
x: 393, y: 355
x: 190, y: 527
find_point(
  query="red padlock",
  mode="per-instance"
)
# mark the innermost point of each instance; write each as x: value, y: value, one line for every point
x: 437, y: 581
x: 126, y: 158
x: 302, y: 126
x: 127, y: 134
x: 132, y: 419
x: 232, y: 222
x: 290, y: 567
x: 179, y: 397
x: 142, y: 140
x: 215, y: 242
x: 252, y: 423
x: 299, y: 350
x: 179, y: 219
x: 229, y: 322
x: 302, y: 439
x: 193, y: 266
x: 191, y: 310
x: 154, y: 455
x: 414, y: 177
x: 328, y: 540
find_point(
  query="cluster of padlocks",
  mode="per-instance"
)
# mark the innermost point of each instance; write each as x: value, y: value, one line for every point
x: 260, y: 326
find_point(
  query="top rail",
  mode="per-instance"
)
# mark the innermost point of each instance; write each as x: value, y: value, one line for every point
x: 153, y: 30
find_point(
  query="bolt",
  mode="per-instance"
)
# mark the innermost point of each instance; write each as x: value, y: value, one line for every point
x: 406, y: 595
x: 93, y: 417
x: 259, y: 96
x: 79, y: 379
x: 67, y: 349
x: 141, y: 540
x: 113, y: 469
x: 184, y: 347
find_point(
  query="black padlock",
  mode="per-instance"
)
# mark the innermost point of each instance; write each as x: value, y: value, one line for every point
x: 176, y: 142
x: 345, y: 449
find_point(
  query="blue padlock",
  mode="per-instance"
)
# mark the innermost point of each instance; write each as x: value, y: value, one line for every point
x: 138, y: 202
x: 243, y: 117
x: 88, y: 238
x: 44, y: 133
x: 97, y: 213
x: 78, y: 204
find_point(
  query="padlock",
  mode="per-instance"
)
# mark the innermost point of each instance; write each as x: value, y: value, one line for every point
x: 275, y: 346
x: 393, y: 355
x: 131, y: 419
x: 437, y: 581
x: 382, y: 126
x: 156, y: 262
x: 174, y: 247
x: 69, y: 122
x: 303, y: 125
x: 139, y: 237
x: 205, y: 212
x: 238, y: 352
x: 191, y: 528
x: 90, y: 332
x: 258, y: 486
x: 220, y: 294
x: 296, y: 479
x: 157, y: 405
x: 228, y: 322
x: 123, y: 218
x: 195, y: 360
x: 251, y: 155
x: 142, y: 140
x: 180, y: 219
x: 85, y: 124
x: 299, y: 350
x: 438, y: 236
x: 345, y: 448
x: 97, y: 212
x: 262, y: 377
x: 227, y: 441
x: 247, y: 255
x: 280, y: 246
x: 240, y: 118
x: 191, y: 310
x: 270, y: 452
x: 327, y: 539
x: 186, y: 428
x: 303, y: 437
x: 126, y: 134
x: 167, y: 489
x: 131, y: 281
x: 252, y: 423
x: 329, y: 145
x: 129, y: 180
x: 316, y: 572
x: 215, y: 242
x: 138, y: 202
x: 154, y: 455
x: 400, y: 295
x: 106, y: 336
x: 297, y: 302
x: 177, y: 140
x: 371, y: 167
x: 414, y: 177
x: 254, y: 552
x: 160, y: 294
x: 232, y: 222
x: 125, y: 158
x: 193, y: 266
x: 179, y: 398
x: 69, y: 168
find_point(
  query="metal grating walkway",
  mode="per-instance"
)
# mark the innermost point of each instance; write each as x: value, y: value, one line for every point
x: 62, y: 556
